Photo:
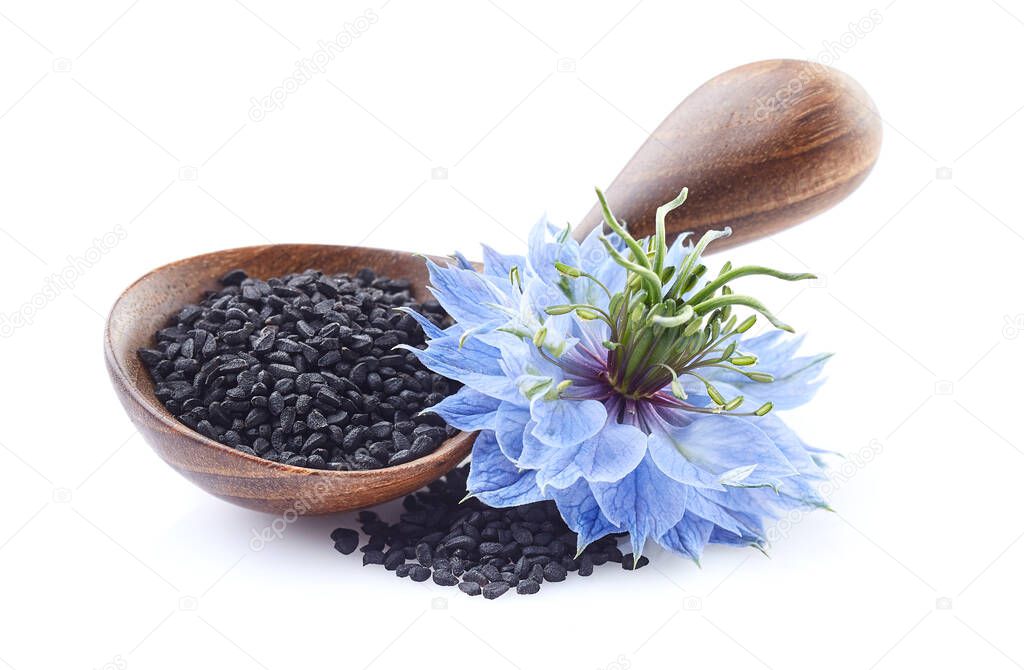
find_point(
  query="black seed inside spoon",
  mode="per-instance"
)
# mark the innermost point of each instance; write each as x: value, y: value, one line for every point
x: 302, y: 370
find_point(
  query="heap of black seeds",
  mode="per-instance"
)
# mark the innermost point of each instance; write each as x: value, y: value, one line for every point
x: 481, y: 549
x: 302, y: 370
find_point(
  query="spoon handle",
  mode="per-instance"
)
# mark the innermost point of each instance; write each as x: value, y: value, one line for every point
x: 761, y: 147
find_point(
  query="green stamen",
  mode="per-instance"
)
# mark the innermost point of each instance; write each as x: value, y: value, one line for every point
x: 659, y: 336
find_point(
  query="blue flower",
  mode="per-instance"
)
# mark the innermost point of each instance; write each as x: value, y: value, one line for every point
x: 611, y: 377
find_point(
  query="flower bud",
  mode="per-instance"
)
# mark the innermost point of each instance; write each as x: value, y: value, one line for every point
x: 568, y: 270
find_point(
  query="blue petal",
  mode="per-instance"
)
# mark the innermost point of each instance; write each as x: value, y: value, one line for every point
x: 582, y: 514
x: 611, y: 454
x: 428, y: 326
x: 468, y: 410
x: 534, y: 454
x: 559, y: 469
x: 689, y: 536
x: 797, y: 379
x: 543, y: 253
x: 804, y: 490
x: 499, y: 268
x: 463, y: 262
x: 510, y: 424
x: 678, y: 251
x: 567, y: 422
x: 722, y: 444
x: 540, y: 295
x: 473, y: 363
x: 753, y: 508
x: 721, y: 536
x: 500, y: 265
x: 646, y: 503
x: 670, y: 459
x: 699, y: 505
x: 466, y: 295
x: 790, y: 444
x: 606, y: 457
x: 595, y: 260
x: 497, y: 481
x: 774, y: 349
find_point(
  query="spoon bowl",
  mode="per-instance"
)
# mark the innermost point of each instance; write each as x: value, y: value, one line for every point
x: 237, y: 477
x: 754, y: 168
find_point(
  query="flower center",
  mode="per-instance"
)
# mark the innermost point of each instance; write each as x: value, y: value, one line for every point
x: 667, y: 321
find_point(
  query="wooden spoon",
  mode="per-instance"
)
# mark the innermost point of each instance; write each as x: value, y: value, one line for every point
x: 759, y: 176
x: 761, y: 147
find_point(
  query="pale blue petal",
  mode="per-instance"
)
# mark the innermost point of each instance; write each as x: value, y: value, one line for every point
x: 592, y: 334
x: 582, y: 514
x: 540, y: 295
x: 749, y: 505
x: 465, y: 294
x: 431, y: 330
x: 594, y: 259
x: 510, y: 425
x: 534, y: 453
x: 774, y: 349
x: 463, y: 262
x: 646, y: 503
x: 559, y: 469
x: 804, y: 490
x: 678, y: 250
x: 500, y: 265
x: 468, y: 410
x: 721, y: 536
x: 497, y: 481
x: 670, y: 459
x: 719, y: 444
x: 611, y: 454
x: 543, y: 252
x: 699, y: 505
x: 689, y: 536
x: 475, y: 364
x: 517, y: 356
x: 789, y: 443
x: 567, y: 422
x: 797, y: 379
x: 608, y: 456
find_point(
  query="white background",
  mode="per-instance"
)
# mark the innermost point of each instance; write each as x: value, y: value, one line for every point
x: 137, y: 114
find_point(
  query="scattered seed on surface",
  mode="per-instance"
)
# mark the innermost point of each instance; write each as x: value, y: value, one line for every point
x: 627, y: 562
x: 495, y: 590
x: 470, y: 588
x: 483, y: 550
x: 345, y: 540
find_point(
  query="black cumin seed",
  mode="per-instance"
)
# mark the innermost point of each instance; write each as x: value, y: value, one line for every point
x: 492, y: 549
x: 290, y: 367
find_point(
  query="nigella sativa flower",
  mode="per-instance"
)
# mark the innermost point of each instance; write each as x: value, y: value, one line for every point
x: 611, y: 376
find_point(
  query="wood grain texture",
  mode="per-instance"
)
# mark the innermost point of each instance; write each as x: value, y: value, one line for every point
x: 761, y: 147
x: 229, y: 474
